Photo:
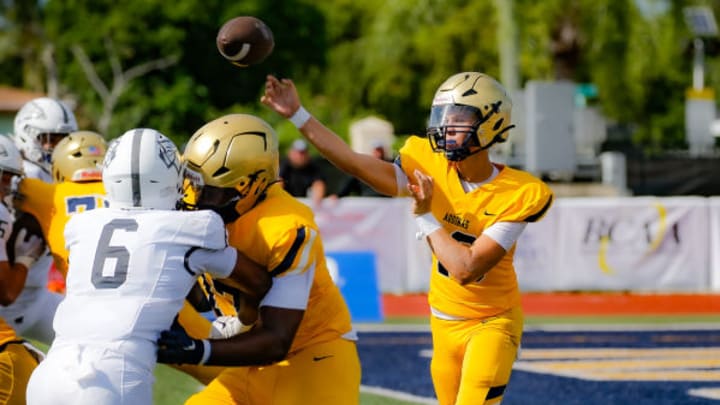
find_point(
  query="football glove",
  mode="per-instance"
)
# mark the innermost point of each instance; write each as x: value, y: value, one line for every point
x: 28, y: 248
x: 227, y: 326
x: 175, y: 346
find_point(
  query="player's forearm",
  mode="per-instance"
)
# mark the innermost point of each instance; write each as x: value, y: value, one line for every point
x: 377, y: 173
x: 12, y: 282
x: 256, y: 347
x: 458, y: 259
x: 248, y: 310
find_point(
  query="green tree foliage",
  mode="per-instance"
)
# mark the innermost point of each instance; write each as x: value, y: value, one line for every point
x: 177, y: 99
x: 638, y: 59
x: 350, y: 59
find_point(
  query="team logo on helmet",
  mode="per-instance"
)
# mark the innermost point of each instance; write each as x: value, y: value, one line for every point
x: 168, y: 153
x: 111, y: 152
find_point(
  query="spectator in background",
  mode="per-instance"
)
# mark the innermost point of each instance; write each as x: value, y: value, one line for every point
x: 301, y: 176
x: 355, y: 187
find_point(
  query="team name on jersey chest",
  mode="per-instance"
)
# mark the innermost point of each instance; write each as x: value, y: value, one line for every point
x: 454, y: 219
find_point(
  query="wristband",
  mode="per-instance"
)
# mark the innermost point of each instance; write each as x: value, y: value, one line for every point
x: 26, y: 261
x: 300, y: 117
x: 206, y: 351
x: 427, y: 225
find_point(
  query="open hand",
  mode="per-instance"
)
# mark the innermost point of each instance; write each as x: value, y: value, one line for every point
x: 421, y: 192
x: 281, y: 96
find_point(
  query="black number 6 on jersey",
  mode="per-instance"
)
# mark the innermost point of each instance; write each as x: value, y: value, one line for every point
x: 105, y: 251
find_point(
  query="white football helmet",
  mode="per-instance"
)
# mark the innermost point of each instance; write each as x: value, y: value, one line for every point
x: 10, y: 161
x: 142, y: 169
x: 40, y: 118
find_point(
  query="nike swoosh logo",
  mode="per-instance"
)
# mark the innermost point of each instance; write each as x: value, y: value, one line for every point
x: 489, y: 214
x: 318, y: 358
x: 191, y: 346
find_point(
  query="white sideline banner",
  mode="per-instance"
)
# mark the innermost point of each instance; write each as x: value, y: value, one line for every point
x: 535, y: 259
x: 632, y: 243
x: 383, y: 226
x: 714, y: 203
x: 598, y: 244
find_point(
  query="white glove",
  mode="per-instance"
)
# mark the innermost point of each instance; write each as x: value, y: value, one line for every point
x: 227, y: 326
x: 28, y: 251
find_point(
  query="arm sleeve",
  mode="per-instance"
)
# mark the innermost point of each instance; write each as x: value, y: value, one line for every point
x: 290, y: 291
x: 401, y: 180
x: 505, y: 233
x: 219, y: 263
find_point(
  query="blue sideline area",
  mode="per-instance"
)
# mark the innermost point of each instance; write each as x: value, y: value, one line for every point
x: 400, y: 362
x: 355, y: 273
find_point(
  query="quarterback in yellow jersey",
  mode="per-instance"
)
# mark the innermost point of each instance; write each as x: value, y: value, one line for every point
x: 470, y: 211
x: 302, y: 349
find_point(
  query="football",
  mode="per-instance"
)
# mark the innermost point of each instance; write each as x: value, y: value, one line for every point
x: 245, y: 41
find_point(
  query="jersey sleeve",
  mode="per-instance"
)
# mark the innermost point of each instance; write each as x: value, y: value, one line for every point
x: 37, y: 198
x: 219, y: 263
x: 203, y: 229
x: 532, y: 203
x: 293, y: 252
x: 410, y: 155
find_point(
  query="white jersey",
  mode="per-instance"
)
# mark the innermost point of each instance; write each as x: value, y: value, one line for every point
x: 32, y: 312
x: 127, y: 276
x: 129, y: 273
x: 35, y: 171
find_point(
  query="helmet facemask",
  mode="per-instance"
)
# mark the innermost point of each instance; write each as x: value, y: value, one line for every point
x: 228, y: 202
x: 456, y: 120
x: 8, y: 178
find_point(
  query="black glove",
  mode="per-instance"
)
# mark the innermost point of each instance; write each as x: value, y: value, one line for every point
x: 175, y: 346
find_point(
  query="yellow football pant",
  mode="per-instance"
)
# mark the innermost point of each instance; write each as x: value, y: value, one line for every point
x: 323, y: 374
x: 16, y: 365
x: 472, y: 359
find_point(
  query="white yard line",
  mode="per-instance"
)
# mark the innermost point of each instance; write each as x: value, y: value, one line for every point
x: 398, y: 395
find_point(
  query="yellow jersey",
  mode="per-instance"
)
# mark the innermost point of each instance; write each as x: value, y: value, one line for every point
x: 7, y: 334
x: 280, y: 234
x: 512, y: 196
x: 53, y: 204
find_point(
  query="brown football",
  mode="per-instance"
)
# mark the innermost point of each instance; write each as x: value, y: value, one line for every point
x: 245, y: 40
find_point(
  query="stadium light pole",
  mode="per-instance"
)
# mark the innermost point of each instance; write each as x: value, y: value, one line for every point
x: 507, y: 38
x: 700, y: 110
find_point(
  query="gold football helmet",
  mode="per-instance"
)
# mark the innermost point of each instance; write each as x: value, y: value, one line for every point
x: 469, y: 102
x: 78, y: 157
x: 231, y: 161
